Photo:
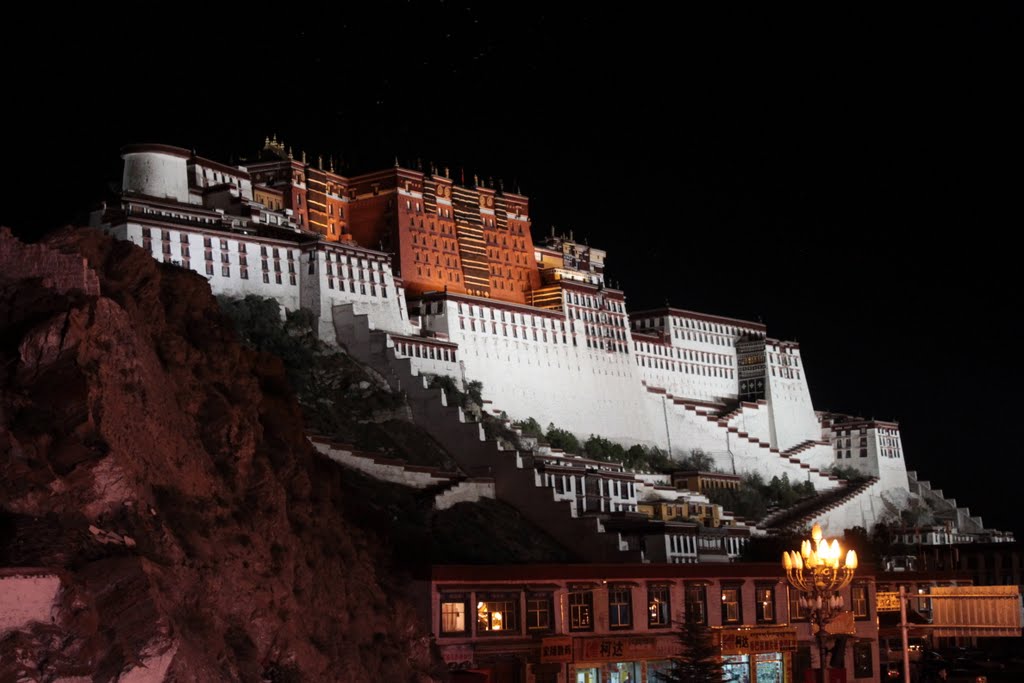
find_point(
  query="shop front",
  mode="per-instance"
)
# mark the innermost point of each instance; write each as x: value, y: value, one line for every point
x: 758, y: 655
x: 625, y: 659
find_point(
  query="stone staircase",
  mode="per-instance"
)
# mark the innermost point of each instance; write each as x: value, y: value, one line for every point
x: 466, y: 441
x: 750, y: 451
x: 446, y: 488
x: 942, y: 506
x: 806, y: 511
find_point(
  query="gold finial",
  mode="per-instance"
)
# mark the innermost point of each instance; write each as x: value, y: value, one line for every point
x: 266, y: 143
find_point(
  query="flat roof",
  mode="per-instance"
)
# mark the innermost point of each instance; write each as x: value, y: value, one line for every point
x: 698, y: 316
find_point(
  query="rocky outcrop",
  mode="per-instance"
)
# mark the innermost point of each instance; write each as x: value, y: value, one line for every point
x: 161, y: 470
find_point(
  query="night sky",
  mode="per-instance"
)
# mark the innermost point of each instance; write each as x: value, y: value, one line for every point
x: 851, y: 179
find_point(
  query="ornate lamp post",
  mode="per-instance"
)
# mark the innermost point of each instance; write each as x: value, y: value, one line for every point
x: 819, y: 574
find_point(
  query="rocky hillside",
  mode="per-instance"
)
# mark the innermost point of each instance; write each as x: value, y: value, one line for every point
x: 160, y: 470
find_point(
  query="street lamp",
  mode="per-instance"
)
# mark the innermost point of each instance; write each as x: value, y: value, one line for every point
x: 819, y: 574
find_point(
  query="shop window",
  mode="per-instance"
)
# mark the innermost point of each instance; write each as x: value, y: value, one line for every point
x: 581, y: 611
x: 659, y: 607
x: 696, y: 604
x: 765, y: 601
x: 859, y: 600
x: 732, y: 612
x: 620, y: 607
x: 538, y: 612
x: 497, y: 613
x: 454, y: 607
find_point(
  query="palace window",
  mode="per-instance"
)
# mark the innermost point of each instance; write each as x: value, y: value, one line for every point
x: 453, y: 613
x: 732, y: 612
x: 659, y: 606
x: 538, y: 612
x: 620, y: 607
x: 581, y: 611
x: 497, y: 613
x: 764, y: 597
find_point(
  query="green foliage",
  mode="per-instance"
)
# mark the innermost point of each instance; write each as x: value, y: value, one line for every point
x: 848, y: 473
x: 474, y: 392
x: 530, y: 427
x: 333, y: 390
x: 472, y: 396
x: 698, y: 660
x: 698, y: 461
x: 258, y: 322
x: 600, y: 448
x: 753, y: 497
x: 636, y: 457
x: 561, y: 438
x: 455, y: 396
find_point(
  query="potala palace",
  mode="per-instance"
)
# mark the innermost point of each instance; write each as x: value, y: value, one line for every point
x: 445, y: 278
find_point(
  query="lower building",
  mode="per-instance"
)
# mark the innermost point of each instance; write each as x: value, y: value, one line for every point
x: 619, y: 623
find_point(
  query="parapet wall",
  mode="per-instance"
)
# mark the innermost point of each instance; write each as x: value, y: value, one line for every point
x: 60, y: 272
x: 26, y: 596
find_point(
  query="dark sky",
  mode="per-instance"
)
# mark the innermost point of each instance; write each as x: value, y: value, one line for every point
x: 851, y: 178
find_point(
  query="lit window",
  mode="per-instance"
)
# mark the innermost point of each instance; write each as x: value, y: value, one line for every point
x: 453, y: 614
x: 731, y: 612
x: 659, y: 607
x: 581, y: 611
x: 497, y: 613
x: 765, y: 597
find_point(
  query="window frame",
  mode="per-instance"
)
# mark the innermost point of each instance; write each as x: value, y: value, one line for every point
x: 796, y: 613
x: 547, y: 599
x: 512, y: 599
x: 854, y: 588
x: 453, y: 599
x: 621, y: 608
x: 663, y: 608
x: 700, y: 591
x: 759, y: 603
x: 581, y: 598
x: 738, y: 588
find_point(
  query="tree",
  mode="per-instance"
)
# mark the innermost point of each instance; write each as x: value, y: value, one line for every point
x: 561, y: 438
x: 698, y: 660
x: 530, y: 427
x: 600, y: 448
x: 698, y: 461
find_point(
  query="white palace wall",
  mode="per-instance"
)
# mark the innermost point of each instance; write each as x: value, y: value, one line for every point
x: 789, y: 399
x: 584, y: 390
